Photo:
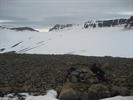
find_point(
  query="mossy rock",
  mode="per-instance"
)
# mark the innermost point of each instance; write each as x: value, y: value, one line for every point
x: 98, y: 91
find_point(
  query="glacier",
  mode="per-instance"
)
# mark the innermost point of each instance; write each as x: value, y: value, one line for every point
x: 107, y: 41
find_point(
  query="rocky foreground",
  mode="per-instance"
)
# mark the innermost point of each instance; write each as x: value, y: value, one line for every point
x: 71, y: 76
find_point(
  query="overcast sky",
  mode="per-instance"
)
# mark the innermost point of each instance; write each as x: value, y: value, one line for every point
x: 62, y: 11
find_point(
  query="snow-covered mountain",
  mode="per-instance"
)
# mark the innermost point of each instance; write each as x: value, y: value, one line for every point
x: 94, y: 24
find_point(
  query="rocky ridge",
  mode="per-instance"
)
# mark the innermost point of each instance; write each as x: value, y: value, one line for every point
x: 127, y: 23
x: 19, y: 28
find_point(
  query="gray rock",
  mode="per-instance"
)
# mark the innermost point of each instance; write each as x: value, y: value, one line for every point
x: 98, y: 91
x: 68, y: 93
x: 115, y: 90
x: 74, y: 79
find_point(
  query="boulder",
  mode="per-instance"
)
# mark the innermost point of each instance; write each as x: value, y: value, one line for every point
x: 98, y: 91
x: 116, y: 90
x: 68, y: 93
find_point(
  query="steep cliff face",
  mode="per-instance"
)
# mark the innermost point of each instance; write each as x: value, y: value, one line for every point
x: 97, y: 23
x: 60, y: 26
x: 104, y: 23
x: 129, y: 23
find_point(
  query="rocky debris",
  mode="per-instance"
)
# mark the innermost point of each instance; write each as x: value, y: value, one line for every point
x: 39, y: 73
x: 100, y: 74
x: 77, y: 86
x: 59, y: 27
x: 76, y: 75
x: 104, y: 23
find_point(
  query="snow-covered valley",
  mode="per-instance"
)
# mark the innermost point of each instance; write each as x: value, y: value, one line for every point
x: 107, y: 41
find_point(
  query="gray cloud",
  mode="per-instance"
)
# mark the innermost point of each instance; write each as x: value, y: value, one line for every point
x: 61, y: 10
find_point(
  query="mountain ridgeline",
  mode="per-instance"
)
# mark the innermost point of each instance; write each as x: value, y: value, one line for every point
x: 19, y: 28
x: 109, y: 23
x: 128, y: 23
x: 104, y: 23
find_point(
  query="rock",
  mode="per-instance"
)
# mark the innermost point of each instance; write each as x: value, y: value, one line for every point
x: 83, y: 96
x: 74, y: 79
x: 115, y: 90
x: 129, y: 23
x: 1, y: 50
x: 68, y: 93
x: 23, y: 29
x: 59, y: 27
x: 104, y: 23
x: 98, y: 91
x: 19, y: 28
x: 2, y: 27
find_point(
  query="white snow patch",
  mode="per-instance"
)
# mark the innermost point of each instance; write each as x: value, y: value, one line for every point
x: 43, y: 30
x: 51, y: 95
x: 120, y: 98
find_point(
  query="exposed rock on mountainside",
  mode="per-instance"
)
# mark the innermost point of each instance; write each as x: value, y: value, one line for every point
x: 104, y: 23
x: 23, y: 29
x: 2, y: 27
x: 19, y: 28
x: 59, y: 26
x: 1, y: 50
x: 129, y: 24
x: 97, y: 23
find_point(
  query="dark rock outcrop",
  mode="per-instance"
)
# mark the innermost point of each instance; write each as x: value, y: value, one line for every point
x: 129, y: 23
x: 116, y: 90
x: 2, y: 27
x: 23, y: 29
x: 105, y: 23
x: 59, y: 27
x: 3, y: 49
x: 19, y: 28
